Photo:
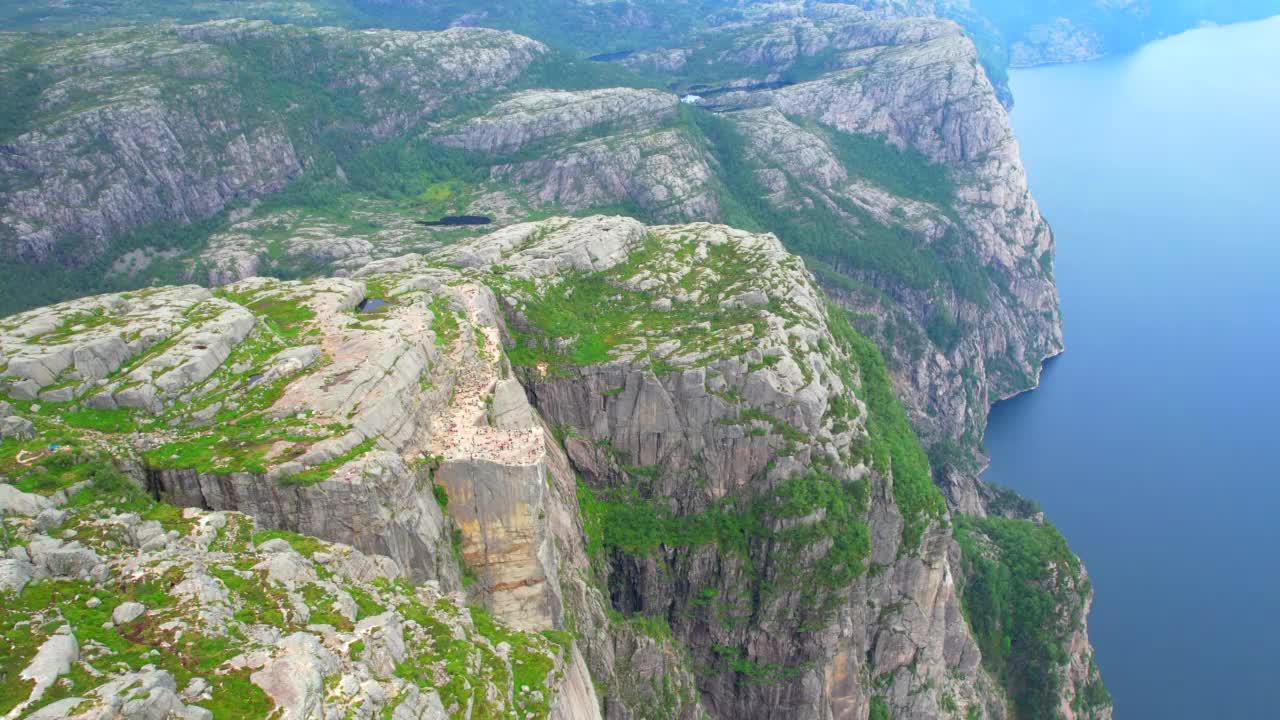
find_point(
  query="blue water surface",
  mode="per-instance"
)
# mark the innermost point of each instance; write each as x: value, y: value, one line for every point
x: 1154, y: 441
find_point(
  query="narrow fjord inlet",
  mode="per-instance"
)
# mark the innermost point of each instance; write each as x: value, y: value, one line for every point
x: 1148, y: 441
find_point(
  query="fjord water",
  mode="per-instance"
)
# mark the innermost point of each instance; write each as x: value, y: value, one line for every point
x: 1154, y: 441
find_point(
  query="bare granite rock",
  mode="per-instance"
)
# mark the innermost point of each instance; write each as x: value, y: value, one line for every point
x: 538, y: 115
x: 162, y: 130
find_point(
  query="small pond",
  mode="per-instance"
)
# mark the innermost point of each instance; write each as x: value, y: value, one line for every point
x: 456, y: 220
x: 371, y: 304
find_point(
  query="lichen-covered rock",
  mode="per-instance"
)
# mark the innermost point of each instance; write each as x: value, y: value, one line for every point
x: 660, y: 171
x: 166, y: 129
x: 664, y: 440
x: 738, y: 383
x: 226, y: 632
x: 538, y: 115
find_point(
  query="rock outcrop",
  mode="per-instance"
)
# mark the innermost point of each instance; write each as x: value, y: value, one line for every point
x: 167, y: 127
x: 875, y: 144
x: 225, y: 620
x: 972, y: 338
x: 535, y: 115
x: 743, y: 404
x: 661, y: 447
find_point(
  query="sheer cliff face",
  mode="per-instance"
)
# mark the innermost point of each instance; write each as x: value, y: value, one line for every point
x: 661, y: 439
x: 932, y: 97
x: 711, y: 408
x: 655, y: 438
x: 670, y: 442
x: 875, y: 146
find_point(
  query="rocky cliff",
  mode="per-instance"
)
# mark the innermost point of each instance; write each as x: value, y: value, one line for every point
x: 872, y: 145
x: 122, y: 608
x: 177, y: 123
x: 667, y: 449
x: 660, y: 459
x: 960, y: 339
x: 871, y: 142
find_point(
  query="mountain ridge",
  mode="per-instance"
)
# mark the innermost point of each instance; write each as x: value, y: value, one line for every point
x: 707, y: 473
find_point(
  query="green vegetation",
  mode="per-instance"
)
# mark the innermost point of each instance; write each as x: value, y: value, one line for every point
x: 62, y: 470
x: 889, y: 252
x: 304, y: 545
x: 637, y: 527
x: 283, y: 313
x: 892, y: 445
x: 903, y: 172
x: 879, y: 709
x: 65, y: 16
x: 653, y: 626
x: 471, y: 665
x: 183, y: 655
x: 713, y: 65
x: 111, y: 420
x: 578, y: 27
x: 23, y: 85
x: 131, y: 646
x: 1022, y: 599
x: 753, y: 672
x: 444, y: 322
x: 322, y: 471
x: 583, y: 319
x: 942, y: 328
x: 289, y: 78
x: 190, y: 648
x: 75, y: 271
x: 366, y: 606
x: 829, y: 512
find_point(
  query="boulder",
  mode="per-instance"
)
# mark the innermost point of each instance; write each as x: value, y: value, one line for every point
x: 57, y: 558
x: 53, y: 659
x: 16, y: 427
x: 384, y: 646
x: 127, y: 612
x: 100, y: 357
x: 50, y: 518
x: 294, y: 678
x: 13, y: 500
x: 14, y: 575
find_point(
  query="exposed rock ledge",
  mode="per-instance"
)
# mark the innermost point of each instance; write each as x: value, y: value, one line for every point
x: 549, y: 380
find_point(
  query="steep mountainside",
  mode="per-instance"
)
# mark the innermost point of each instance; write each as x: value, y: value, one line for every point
x: 949, y: 251
x: 692, y: 479
x: 684, y: 476
x: 175, y: 124
x: 883, y: 158
x: 875, y: 148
